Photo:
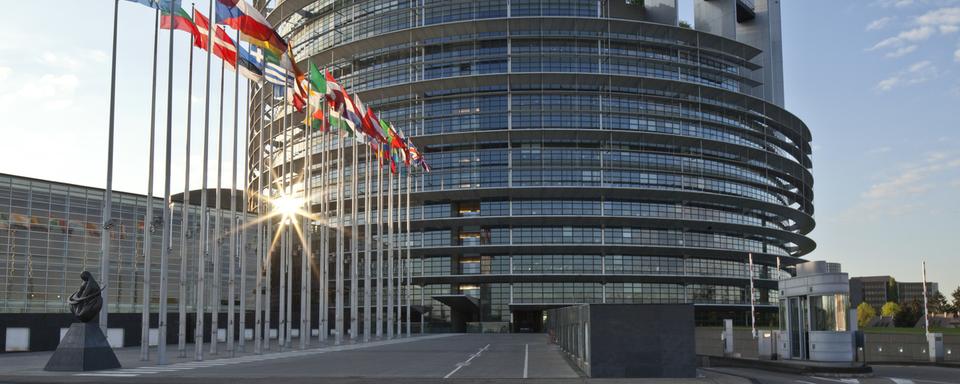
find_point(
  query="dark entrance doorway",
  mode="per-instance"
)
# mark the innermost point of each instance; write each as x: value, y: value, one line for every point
x: 527, y: 321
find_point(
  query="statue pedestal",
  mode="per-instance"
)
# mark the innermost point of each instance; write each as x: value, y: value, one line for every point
x: 83, y: 348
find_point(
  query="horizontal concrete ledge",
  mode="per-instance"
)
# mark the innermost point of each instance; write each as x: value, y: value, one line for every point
x: 942, y: 364
x: 789, y: 366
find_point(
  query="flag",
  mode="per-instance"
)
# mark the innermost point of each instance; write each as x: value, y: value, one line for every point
x: 249, y: 66
x: 275, y: 74
x: 59, y: 224
x: 18, y: 220
x: 159, y: 4
x: 371, y: 124
x: 297, y: 73
x: 294, y: 98
x: 314, y: 119
x: 317, y: 81
x: 223, y: 45
x: 253, y: 27
x: 179, y: 20
x: 336, y: 121
x: 335, y: 92
x: 92, y: 230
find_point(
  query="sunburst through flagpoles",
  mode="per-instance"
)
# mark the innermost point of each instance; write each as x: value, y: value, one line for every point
x: 284, y: 220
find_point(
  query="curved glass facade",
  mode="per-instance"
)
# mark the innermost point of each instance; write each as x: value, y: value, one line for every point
x: 577, y: 156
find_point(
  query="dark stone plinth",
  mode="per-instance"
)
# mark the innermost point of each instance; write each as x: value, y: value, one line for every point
x: 83, y: 348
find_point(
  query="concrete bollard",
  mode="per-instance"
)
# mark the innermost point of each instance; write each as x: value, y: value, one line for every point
x: 935, y: 347
x: 727, y: 337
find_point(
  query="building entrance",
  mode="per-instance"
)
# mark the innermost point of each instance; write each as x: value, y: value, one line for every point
x: 527, y: 321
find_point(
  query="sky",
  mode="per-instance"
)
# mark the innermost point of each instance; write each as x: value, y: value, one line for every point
x: 877, y: 82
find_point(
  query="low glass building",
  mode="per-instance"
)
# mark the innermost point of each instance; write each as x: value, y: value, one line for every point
x: 50, y: 232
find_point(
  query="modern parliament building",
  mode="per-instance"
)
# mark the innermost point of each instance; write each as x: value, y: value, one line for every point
x: 583, y: 151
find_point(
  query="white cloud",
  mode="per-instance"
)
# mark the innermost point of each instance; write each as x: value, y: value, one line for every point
x: 916, y: 73
x: 956, y: 55
x: 942, y: 16
x: 894, y: 3
x: 948, y: 29
x: 879, y: 23
x: 878, y: 150
x: 913, y: 180
x: 902, y: 51
x: 909, y: 36
x: 61, y: 61
x: 6, y: 71
x: 49, y: 92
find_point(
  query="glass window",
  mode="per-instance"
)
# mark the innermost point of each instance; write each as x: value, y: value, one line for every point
x: 829, y: 312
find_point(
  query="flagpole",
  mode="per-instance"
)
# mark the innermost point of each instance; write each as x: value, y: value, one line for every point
x: 234, y: 231
x: 258, y: 297
x: 305, y: 180
x: 338, y: 316
x: 926, y: 307
x: 184, y: 217
x: 406, y: 243
x: 106, y: 212
x: 288, y: 176
x: 399, y: 248
x: 203, y: 247
x: 367, y: 243
x: 380, y: 244
x: 390, y: 241
x: 241, y: 223
x: 753, y: 314
x: 167, y: 213
x: 324, y: 287
x: 269, y: 235
x: 217, y: 225
x: 148, y: 220
x: 354, y: 241
x: 282, y: 326
x: 308, y: 197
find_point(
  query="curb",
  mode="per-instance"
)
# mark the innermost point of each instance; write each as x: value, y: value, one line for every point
x: 775, y: 366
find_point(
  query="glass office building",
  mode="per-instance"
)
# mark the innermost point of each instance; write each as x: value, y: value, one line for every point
x: 583, y: 151
x: 50, y: 232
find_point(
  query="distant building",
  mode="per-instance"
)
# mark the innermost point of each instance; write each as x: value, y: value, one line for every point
x: 50, y: 232
x: 878, y: 290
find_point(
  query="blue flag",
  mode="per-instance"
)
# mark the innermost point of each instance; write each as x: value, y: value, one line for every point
x: 248, y: 65
x: 163, y: 5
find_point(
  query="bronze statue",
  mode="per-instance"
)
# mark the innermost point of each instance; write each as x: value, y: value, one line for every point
x: 85, y: 303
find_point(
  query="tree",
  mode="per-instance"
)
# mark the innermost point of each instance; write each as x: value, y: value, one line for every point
x: 889, y: 309
x: 938, y: 303
x: 956, y: 300
x: 908, y: 315
x: 893, y: 291
x: 865, y: 313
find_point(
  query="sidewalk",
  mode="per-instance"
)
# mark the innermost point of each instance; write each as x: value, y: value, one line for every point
x: 32, y: 363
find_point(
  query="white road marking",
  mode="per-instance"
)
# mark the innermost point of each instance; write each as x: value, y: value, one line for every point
x: 526, y: 359
x: 900, y: 381
x: 845, y: 381
x: 804, y: 382
x: 108, y: 374
x: 465, y: 363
